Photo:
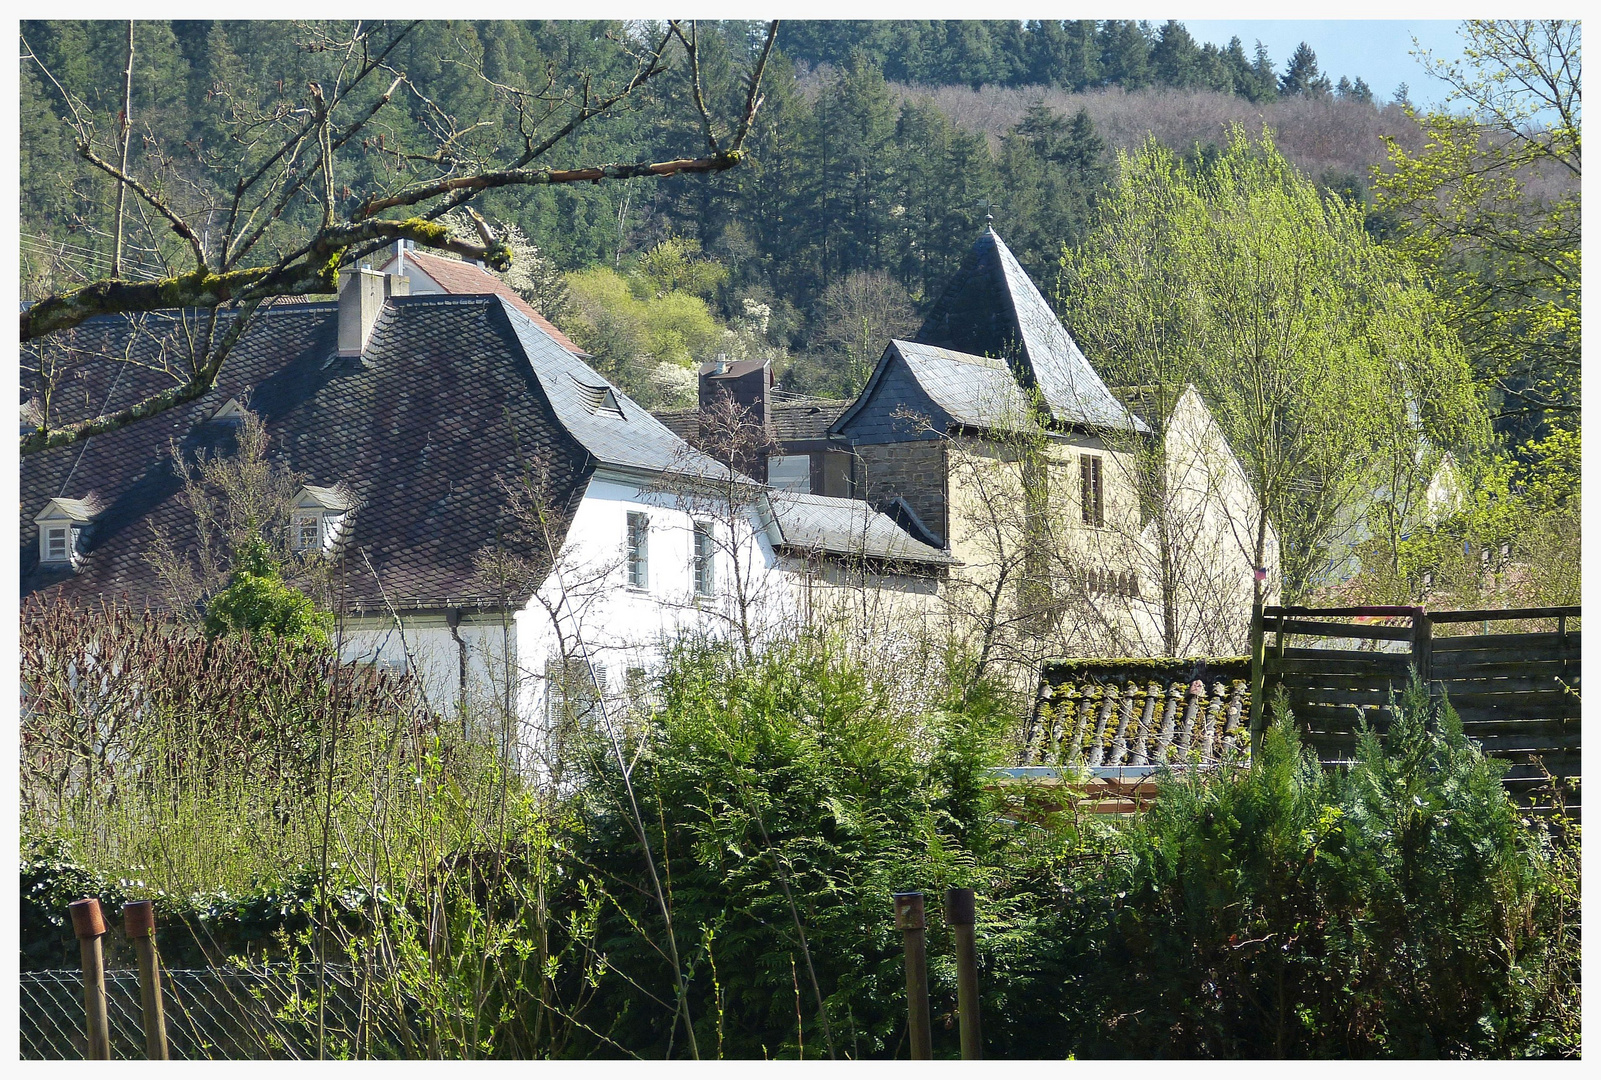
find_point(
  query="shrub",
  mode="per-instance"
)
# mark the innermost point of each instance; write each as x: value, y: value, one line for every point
x: 1398, y: 908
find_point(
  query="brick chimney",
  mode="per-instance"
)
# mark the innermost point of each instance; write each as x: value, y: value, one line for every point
x: 746, y: 381
x: 361, y: 298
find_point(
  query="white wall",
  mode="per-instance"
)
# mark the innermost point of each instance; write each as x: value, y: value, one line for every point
x: 1213, y: 510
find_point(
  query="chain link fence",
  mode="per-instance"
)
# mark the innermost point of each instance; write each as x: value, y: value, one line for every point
x: 223, y: 1014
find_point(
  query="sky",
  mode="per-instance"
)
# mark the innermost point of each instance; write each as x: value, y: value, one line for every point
x: 1377, y: 50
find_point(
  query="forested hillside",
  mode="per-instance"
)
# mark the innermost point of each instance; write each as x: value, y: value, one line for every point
x: 858, y: 197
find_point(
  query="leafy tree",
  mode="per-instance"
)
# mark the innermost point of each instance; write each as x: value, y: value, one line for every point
x: 334, y: 181
x: 1315, y: 349
x: 1489, y: 208
x: 257, y: 601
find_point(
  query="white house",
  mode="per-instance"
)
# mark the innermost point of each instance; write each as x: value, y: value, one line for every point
x: 494, y: 516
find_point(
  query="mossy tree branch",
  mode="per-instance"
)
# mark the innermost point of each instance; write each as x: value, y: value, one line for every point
x: 302, y: 171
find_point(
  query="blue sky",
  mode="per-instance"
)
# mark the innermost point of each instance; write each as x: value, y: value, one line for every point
x: 1377, y: 50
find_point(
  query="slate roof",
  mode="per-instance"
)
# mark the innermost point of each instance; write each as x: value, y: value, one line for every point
x: 467, y: 279
x: 791, y: 419
x: 1102, y: 714
x: 452, y: 396
x: 801, y: 418
x: 992, y: 308
x: 813, y: 524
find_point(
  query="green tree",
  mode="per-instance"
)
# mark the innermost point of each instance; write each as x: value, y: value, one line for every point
x: 1301, y: 74
x: 258, y: 601
x: 1313, y: 346
x: 1489, y: 208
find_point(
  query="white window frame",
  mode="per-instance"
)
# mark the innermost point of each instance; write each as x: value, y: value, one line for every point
x: 703, y: 558
x: 636, y: 546
x: 297, y: 527
x: 50, y: 533
x: 801, y: 483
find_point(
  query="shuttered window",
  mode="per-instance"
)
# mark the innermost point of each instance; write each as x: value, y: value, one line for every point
x: 1092, y: 493
x: 638, y: 551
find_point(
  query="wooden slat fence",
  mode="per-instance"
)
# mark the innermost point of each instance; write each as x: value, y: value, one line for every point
x: 1516, y: 690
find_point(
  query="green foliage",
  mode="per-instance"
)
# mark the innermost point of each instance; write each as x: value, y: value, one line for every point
x: 1398, y: 908
x: 1326, y: 363
x: 1489, y: 208
x: 258, y: 601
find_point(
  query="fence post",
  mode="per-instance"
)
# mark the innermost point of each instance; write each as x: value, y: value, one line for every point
x: 1423, y: 647
x: 1258, y: 641
x: 959, y: 916
x: 90, y: 927
x: 909, y: 918
x: 139, y: 921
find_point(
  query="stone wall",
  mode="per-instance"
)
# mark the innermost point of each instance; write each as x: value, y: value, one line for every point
x: 914, y: 471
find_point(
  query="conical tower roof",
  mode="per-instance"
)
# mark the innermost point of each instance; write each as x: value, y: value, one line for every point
x: 992, y: 308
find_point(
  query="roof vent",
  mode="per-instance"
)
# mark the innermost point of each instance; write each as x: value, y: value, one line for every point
x: 598, y: 399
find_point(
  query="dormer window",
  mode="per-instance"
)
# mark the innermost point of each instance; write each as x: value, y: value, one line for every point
x: 231, y: 413
x: 56, y: 543
x: 61, y: 527
x: 308, y: 532
x: 320, y: 518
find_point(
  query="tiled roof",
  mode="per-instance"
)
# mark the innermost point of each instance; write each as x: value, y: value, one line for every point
x: 992, y: 308
x: 1102, y: 714
x: 791, y: 419
x: 466, y: 279
x: 976, y: 391
x: 453, y: 396
x: 685, y: 423
x: 794, y: 419
x: 847, y: 527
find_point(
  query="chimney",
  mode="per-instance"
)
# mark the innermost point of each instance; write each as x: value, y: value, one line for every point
x: 746, y: 381
x: 361, y: 298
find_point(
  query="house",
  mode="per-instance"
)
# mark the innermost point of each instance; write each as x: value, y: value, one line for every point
x: 484, y: 509
x: 1198, y: 540
x: 801, y: 456
x: 990, y: 435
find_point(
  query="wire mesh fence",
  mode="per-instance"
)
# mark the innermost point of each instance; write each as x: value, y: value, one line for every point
x: 277, y: 1013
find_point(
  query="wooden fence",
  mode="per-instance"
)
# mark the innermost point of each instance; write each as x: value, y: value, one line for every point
x: 1516, y: 690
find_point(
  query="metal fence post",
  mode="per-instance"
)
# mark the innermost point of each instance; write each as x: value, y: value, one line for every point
x: 139, y: 921
x: 90, y: 927
x: 959, y: 916
x: 909, y: 919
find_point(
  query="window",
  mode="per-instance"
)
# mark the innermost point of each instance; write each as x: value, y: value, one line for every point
x: 705, y: 564
x: 638, y: 551
x: 1092, y: 493
x: 56, y: 544
x: 307, y: 530
x: 573, y: 690
x: 791, y: 472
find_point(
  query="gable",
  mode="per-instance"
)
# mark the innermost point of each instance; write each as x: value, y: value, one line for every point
x: 992, y: 308
x: 892, y: 389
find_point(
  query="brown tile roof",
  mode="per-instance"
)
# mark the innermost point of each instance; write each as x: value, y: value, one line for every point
x: 465, y: 279
x: 803, y: 418
x: 1101, y: 714
x: 451, y: 397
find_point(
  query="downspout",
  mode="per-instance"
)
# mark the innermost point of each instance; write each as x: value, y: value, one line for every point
x: 453, y: 620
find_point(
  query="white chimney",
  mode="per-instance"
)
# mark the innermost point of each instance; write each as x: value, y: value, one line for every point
x: 361, y: 298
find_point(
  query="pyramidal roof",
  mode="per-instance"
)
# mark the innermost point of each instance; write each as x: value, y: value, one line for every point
x: 992, y: 308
